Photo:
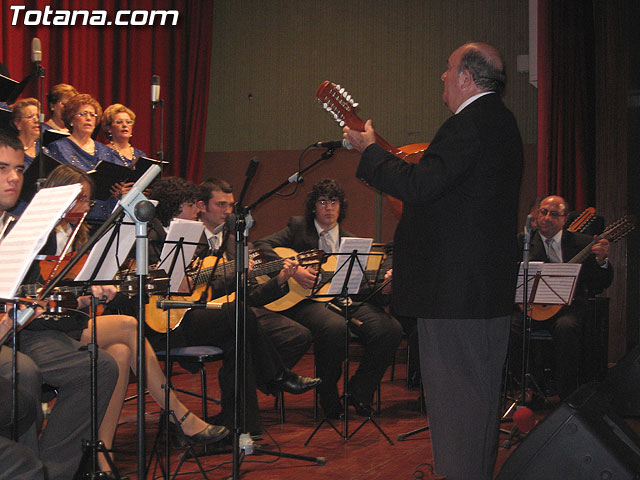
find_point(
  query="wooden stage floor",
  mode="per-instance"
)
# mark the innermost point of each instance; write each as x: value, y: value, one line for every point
x: 367, y: 455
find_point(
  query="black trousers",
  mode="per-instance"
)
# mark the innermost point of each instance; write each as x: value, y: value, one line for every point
x: 566, y: 330
x: 379, y: 332
x: 263, y: 364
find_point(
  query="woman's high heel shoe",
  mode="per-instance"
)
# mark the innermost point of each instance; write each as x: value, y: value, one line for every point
x: 211, y: 434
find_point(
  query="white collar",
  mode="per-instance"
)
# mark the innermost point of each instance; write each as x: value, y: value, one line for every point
x: 332, y: 232
x: 556, y: 238
x: 470, y: 100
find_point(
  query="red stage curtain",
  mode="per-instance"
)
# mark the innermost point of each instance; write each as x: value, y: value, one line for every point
x: 566, y: 101
x: 115, y: 64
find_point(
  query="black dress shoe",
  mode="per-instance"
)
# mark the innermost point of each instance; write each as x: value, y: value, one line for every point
x: 291, y: 382
x: 362, y: 409
x: 335, y: 412
x: 211, y: 434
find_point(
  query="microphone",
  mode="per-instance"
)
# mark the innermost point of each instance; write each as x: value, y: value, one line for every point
x: 36, y: 51
x: 252, y: 168
x: 523, y: 418
x: 527, y: 242
x: 335, y: 144
x: 36, y: 58
x: 155, y: 89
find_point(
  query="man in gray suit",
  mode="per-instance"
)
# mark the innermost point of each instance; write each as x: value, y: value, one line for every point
x: 58, y: 357
x: 454, y: 263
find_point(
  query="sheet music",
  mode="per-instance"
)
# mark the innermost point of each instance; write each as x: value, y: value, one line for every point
x: 556, y: 285
x: 122, y: 243
x: 190, y: 231
x: 30, y: 233
x: 119, y: 250
x: 347, y: 246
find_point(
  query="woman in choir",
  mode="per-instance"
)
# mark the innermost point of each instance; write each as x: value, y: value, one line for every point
x: 57, y: 98
x: 117, y: 124
x: 25, y: 120
x: 81, y: 114
x: 117, y: 334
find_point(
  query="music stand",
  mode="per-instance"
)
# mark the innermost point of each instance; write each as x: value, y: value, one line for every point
x: 344, y: 296
x: 539, y: 284
x: 175, y: 253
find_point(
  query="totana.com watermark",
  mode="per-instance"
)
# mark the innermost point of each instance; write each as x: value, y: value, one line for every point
x: 65, y: 18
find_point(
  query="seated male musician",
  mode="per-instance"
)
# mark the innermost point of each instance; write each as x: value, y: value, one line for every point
x: 265, y: 368
x: 552, y: 243
x: 291, y: 339
x: 57, y: 356
x: 381, y: 333
x: 17, y: 461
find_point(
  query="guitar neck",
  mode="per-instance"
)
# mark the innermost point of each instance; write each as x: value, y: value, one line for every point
x: 613, y: 233
x: 202, y: 277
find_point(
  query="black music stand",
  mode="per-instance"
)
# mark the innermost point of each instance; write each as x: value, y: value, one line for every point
x: 344, y: 297
x: 92, y: 447
x: 176, y: 253
x: 550, y: 284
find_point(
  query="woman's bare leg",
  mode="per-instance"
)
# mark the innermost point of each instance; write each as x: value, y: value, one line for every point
x: 121, y: 330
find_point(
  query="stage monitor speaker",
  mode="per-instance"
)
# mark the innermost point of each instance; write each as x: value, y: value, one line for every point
x: 582, y: 439
x: 622, y: 384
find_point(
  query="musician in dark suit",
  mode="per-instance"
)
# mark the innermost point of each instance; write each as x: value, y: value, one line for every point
x: 454, y: 263
x: 379, y: 332
x: 290, y: 339
x: 265, y: 368
x: 58, y: 357
x: 17, y: 461
x: 552, y: 243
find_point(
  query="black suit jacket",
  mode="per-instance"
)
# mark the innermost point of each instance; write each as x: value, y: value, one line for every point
x: 455, y: 245
x: 300, y: 235
x: 593, y: 278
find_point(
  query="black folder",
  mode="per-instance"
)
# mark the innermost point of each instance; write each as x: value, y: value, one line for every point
x: 11, y: 89
x: 50, y: 135
x: 106, y: 174
x: 31, y: 175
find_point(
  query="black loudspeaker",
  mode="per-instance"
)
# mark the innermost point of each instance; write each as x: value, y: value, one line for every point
x: 582, y: 439
x: 623, y: 384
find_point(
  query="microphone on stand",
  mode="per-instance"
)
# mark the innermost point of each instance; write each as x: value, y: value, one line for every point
x: 527, y: 241
x: 335, y: 144
x: 155, y: 90
x: 36, y: 54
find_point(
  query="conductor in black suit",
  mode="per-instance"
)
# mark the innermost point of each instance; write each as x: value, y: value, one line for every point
x: 455, y: 252
x: 552, y: 243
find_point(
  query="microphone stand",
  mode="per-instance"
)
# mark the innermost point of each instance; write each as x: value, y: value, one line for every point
x: 154, y: 104
x: 242, y: 221
x: 40, y: 73
x: 526, y: 331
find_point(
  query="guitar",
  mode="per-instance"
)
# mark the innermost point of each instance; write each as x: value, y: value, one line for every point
x: 297, y: 292
x: 341, y: 106
x: 63, y: 299
x: 156, y: 318
x: 613, y: 233
x: 583, y: 220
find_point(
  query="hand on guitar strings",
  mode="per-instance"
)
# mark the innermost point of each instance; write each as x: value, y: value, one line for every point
x: 289, y: 268
x: 360, y: 140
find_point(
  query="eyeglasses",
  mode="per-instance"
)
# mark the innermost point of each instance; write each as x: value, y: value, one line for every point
x: 544, y: 212
x: 86, y: 114
x: 123, y: 122
x: 29, y: 117
x: 87, y: 200
x: 324, y: 203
